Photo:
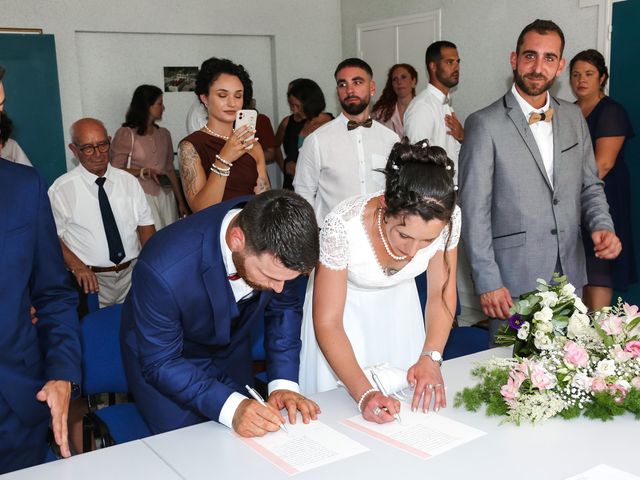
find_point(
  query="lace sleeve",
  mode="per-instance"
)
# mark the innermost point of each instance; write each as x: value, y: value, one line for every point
x: 455, y: 231
x: 334, y: 246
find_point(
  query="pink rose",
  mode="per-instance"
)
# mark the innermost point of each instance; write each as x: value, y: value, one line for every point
x: 598, y: 384
x: 635, y: 382
x: 510, y: 390
x: 541, y: 379
x: 620, y: 355
x: 618, y: 392
x: 575, y: 355
x: 633, y: 348
x: 611, y: 324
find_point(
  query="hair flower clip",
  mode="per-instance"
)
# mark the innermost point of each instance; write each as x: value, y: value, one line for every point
x: 448, y: 167
x: 394, y: 166
x: 455, y: 188
x: 425, y: 144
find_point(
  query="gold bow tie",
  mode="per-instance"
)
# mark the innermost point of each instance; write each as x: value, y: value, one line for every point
x: 541, y: 117
x: 352, y: 125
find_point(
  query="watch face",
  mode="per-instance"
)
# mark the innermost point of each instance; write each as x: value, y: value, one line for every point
x: 436, y: 356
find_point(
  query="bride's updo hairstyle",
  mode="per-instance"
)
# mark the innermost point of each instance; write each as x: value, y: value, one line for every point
x: 419, y: 181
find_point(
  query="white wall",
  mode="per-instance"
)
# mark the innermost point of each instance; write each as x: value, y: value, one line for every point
x: 485, y: 32
x: 306, y: 35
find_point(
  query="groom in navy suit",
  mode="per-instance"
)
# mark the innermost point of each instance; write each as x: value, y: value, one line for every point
x: 198, y: 288
x: 39, y: 358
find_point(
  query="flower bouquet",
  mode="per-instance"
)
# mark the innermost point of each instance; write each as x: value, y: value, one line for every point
x: 565, y: 361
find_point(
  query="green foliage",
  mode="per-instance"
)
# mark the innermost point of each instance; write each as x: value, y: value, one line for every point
x: 487, y: 392
x: 632, y: 402
x: 603, y: 407
x: 570, y: 412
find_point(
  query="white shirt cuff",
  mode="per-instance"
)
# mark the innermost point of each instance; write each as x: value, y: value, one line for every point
x: 283, y: 385
x: 229, y: 409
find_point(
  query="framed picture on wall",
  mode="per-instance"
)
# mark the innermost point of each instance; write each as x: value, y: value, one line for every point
x: 180, y: 79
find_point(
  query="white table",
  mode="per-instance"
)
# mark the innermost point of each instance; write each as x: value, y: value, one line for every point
x: 556, y: 450
x: 553, y: 451
x: 129, y: 460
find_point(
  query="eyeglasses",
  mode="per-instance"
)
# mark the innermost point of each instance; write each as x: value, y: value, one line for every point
x: 89, y: 150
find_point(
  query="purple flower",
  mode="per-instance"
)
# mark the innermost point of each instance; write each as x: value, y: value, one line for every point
x: 515, y: 321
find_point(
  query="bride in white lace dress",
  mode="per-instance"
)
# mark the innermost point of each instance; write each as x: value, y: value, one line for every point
x: 365, y: 304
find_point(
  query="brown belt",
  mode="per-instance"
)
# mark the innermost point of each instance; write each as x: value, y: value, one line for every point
x: 115, y: 268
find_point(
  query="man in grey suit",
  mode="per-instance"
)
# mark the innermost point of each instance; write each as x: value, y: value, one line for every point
x: 528, y: 178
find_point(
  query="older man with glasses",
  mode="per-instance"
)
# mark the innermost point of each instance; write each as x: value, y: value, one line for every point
x: 101, y: 214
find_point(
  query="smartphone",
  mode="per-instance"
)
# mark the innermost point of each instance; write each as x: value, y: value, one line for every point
x: 246, y: 117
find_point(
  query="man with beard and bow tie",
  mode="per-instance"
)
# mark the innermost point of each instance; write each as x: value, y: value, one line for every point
x: 341, y: 158
x: 528, y: 181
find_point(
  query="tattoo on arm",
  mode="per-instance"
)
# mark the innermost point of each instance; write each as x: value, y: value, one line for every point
x: 188, y: 160
x: 262, y: 185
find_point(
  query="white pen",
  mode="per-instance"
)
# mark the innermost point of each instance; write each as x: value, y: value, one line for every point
x: 384, y: 392
x: 258, y: 398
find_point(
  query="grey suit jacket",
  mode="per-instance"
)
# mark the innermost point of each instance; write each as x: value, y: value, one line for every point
x: 515, y: 225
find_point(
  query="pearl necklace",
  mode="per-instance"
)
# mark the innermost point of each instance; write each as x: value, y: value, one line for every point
x: 398, y: 258
x: 211, y: 132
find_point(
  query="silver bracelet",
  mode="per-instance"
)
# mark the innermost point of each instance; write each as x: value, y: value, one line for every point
x: 371, y: 390
x: 223, y: 161
x: 220, y: 171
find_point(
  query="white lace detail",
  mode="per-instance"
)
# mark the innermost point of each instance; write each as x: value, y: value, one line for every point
x: 334, y: 246
x: 455, y: 233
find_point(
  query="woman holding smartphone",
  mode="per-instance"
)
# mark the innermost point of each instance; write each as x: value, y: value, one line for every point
x: 218, y: 163
x: 144, y: 149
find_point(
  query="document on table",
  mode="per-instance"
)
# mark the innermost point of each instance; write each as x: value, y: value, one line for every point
x: 604, y: 472
x: 423, y: 435
x: 306, y: 446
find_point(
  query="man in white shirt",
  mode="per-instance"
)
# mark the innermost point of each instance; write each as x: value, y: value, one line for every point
x: 528, y: 181
x: 429, y: 115
x: 79, y: 215
x: 340, y: 159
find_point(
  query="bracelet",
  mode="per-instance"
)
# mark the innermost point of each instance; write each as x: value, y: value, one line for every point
x: 223, y: 161
x: 371, y: 390
x: 141, y: 174
x: 223, y: 172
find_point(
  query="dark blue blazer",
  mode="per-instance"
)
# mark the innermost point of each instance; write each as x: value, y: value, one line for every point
x: 33, y: 273
x: 185, y: 340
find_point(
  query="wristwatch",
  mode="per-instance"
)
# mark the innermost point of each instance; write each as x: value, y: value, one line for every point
x: 434, y: 355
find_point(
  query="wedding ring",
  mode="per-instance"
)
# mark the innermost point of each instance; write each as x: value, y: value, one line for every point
x: 439, y: 385
x: 430, y: 386
x: 376, y: 411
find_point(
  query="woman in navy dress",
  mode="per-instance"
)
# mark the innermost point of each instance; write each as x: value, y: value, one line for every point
x: 610, y: 127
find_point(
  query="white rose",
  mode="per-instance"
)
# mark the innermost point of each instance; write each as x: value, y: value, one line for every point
x: 606, y: 368
x: 544, y: 315
x: 580, y: 306
x: 579, y: 326
x: 523, y: 333
x: 546, y: 327
x: 541, y: 341
x: 549, y: 299
x: 582, y: 381
x: 568, y: 290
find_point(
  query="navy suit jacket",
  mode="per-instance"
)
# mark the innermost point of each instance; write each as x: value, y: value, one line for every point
x: 185, y: 339
x: 33, y: 273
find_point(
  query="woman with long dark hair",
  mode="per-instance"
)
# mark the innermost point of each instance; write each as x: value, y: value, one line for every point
x: 144, y: 149
x: 365, y: 308
x: 219, y: 162
x: 609, y: 127
x: 396, y: 97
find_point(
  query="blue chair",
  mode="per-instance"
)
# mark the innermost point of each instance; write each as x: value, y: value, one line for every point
x: 465, y: 341
x: 103, y: 372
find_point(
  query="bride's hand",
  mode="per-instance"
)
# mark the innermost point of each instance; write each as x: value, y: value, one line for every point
x: 425, y: 375
x: 379, y: 409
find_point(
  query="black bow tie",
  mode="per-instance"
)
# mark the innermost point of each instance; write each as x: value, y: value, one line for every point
x: 352, y: 125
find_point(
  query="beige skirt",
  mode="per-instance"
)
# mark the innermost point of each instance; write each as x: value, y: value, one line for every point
x: 163, y: 208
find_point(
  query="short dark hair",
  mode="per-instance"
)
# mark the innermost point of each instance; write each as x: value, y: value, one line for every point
x: 283, y: 223
x: 310, y: 95
x: 596, y: 59
x: 138, y: 113
x: 541, y: 27
x: 353, y: 62
x: 213, y: 67
x: 2, y: 70
x: 434, y: 51
x: 6, y: 128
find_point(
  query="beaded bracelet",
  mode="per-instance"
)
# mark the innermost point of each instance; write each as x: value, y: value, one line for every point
x: 223, y: 161
x: 223, y: 172
x: 371, y: 390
